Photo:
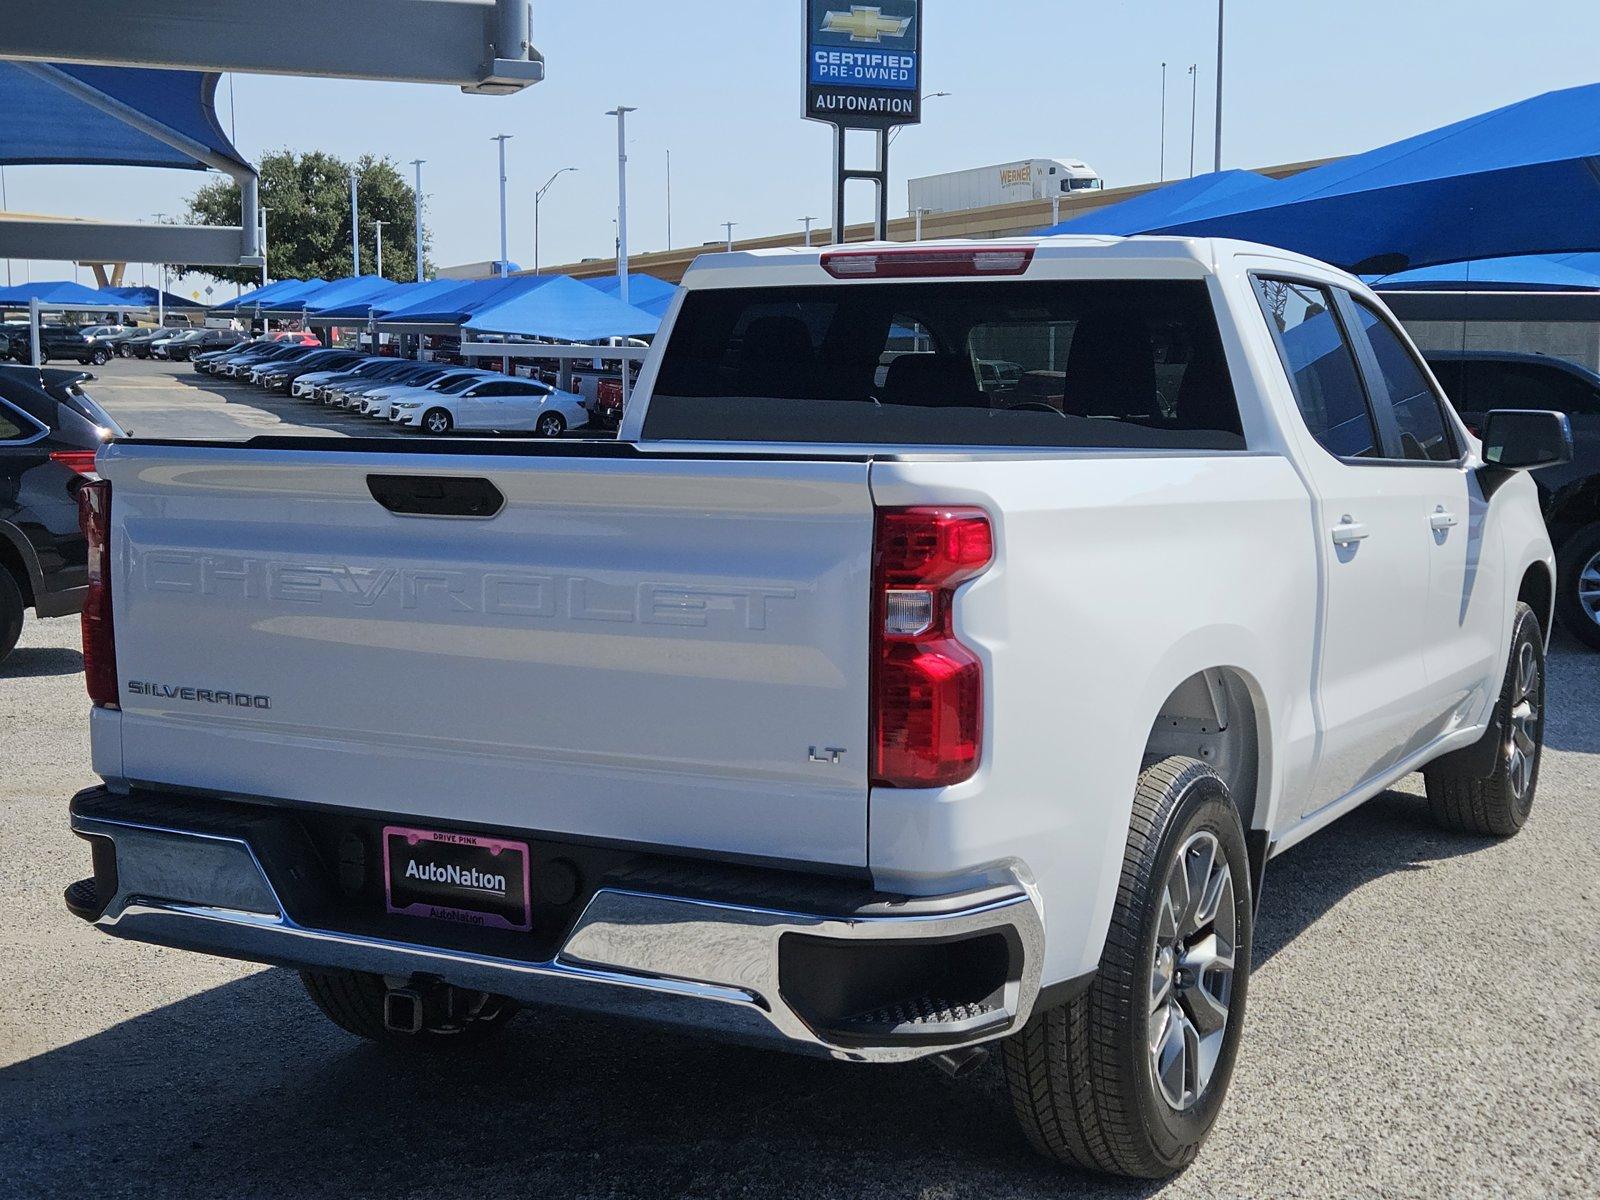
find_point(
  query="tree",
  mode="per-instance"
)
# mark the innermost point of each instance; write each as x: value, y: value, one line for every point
x: 307, y: 197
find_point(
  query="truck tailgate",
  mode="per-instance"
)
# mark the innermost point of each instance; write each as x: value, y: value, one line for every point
x: 634, y: 647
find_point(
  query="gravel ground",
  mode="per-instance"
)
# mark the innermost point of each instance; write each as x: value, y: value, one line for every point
x: 1422, y: 1022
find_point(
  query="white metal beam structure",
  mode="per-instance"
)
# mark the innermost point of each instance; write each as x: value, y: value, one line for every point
x: 481, y: 46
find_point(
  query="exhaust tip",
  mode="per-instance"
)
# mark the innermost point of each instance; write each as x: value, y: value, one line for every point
x: 958, y: 1064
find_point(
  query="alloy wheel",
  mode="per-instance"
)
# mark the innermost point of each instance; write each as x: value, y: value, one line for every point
x: 1191, y: 971
x: 551, y: 425
x: 1522, y: 729
x: 1589, y: 589
x: 437, y: 422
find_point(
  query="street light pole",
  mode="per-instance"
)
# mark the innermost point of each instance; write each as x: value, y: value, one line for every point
x: 537, y: 197
x: 1163, y: 176
x: 807, y: 221
x: 355, y: 228
x: 917, y: 213
x: 728, y: 225
x: 379, y: 226
x: 263, y: 245
x: 416, y: 196
x: 895, y: 132
x: 620, y: 112
x: 1194, y: 98
x: 1218, y: 161
x: 502, y: 138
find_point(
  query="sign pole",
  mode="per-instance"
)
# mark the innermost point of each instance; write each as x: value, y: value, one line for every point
x: 863, y: 70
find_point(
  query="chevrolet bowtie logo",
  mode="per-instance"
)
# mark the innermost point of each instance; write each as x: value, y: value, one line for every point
x: 865, y: 23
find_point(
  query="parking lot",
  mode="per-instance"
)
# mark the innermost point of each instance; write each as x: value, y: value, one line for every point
x: 1422, y: 1018
x: 155, y: 398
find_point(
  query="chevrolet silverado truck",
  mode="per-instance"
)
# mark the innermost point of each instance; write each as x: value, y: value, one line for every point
x: 839, y: 705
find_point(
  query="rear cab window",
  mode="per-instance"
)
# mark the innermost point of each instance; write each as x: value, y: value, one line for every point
x: 1321, y: 365
x: 1086, y: 363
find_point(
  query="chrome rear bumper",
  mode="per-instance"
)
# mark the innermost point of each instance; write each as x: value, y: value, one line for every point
x: 708, y: 965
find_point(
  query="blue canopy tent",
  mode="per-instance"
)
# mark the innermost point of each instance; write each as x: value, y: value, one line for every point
x: 266, y: 295
x: 563, y: 310
x: 57, y: 113
x: 454, y: 306
x: 1164, y: 204
x: 645, y: 292
x: 59, y: 293
x: 149, y: 297
x: 1529, y: 272
x: 49, y: 119
x: 340, y: 291
x: 374, y: 307
x: 1518, y: 180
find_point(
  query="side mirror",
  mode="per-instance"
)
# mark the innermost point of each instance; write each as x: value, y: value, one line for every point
x: 1516, y: 439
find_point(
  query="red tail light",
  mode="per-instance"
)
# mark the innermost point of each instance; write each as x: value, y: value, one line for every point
x: 925, y: 263
x: 80, y: 461
x: 99, y: 646
x: 927, y: 709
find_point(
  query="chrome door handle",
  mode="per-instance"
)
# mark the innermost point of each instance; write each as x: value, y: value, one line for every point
x: 1442, y: 519
x: 1348, y: 531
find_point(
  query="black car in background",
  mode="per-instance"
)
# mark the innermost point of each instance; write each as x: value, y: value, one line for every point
x: 55, y: 342
x: 50, y: 429
x: 199, y: 341
x: 1478, y: 380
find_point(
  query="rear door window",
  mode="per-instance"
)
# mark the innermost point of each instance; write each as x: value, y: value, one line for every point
x: 1087, y: 363
x: 1321, y: 366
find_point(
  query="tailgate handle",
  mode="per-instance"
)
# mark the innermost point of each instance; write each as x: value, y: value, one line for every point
x: 436, y: 495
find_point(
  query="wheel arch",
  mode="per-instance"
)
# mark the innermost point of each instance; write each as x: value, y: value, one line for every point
x: 1218, y: 715
x: 1538, y: 591
x: 17, y: 557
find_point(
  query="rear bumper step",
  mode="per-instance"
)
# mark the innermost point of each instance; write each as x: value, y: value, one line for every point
x: 887, y: 979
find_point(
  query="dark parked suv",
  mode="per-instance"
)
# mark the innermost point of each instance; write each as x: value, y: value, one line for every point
x: 1477, y: 380
x: 50, y: 429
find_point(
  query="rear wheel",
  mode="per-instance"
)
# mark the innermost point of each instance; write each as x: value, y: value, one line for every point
x: 1578, y: 586
x: 100, y: 357
x: 436, y: 421
x: 1128, y: 1077
x: 11, y: 608
x: 123, y: 351
x: 353, y: 1000
x: 1488, y: 787
x: 551, y: 425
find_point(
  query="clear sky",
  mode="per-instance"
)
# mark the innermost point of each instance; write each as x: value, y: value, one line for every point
x: 719, y: 85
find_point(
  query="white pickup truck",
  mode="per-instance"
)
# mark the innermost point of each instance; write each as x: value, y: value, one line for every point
x: 841, y: 705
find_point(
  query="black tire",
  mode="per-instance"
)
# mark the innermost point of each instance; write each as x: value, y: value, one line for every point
x: 436, y: 421
x: 1488, y: 787
x: 1080, y: 1073
x: 551, y: 425
x: 353, y: 1000
x: 123, y: 351
x: 1578, y: 558
x: 44, y: 356
x: 11, y: 609
x: 100, y: 357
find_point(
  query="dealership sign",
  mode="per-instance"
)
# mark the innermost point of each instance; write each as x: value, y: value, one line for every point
x: 864, y: 63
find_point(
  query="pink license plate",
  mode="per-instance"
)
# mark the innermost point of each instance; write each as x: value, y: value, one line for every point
x: 461, y: 877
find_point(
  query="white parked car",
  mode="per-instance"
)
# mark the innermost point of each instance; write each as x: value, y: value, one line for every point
x: 379, y: 403
x: 875, y: 718
x: 498, y: 403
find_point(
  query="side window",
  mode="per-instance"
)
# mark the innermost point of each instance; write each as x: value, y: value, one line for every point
x: 14, y: 427
x: 1321, y: 366
x: 1424, y: 434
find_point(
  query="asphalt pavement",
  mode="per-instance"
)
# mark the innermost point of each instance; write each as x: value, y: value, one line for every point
x: 1423, y: 1022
